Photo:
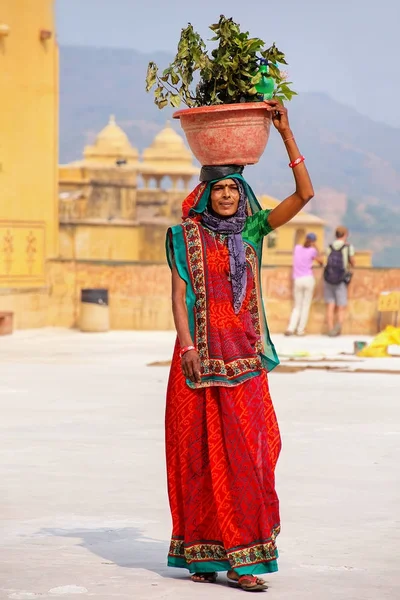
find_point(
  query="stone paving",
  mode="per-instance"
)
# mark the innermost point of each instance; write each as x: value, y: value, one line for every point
x: 83, y: 503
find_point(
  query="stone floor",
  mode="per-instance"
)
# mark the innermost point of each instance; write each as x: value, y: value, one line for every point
x: 83, y: 504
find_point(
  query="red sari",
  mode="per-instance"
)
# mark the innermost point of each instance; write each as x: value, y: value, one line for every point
x: 223, y: 442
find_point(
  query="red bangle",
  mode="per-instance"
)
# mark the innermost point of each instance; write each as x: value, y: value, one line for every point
x: 296, y: 162
x: 186, y: 349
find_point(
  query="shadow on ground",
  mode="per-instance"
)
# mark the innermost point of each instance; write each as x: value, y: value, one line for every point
x: 126, y: 547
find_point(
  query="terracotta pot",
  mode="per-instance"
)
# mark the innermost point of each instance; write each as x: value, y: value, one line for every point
x: 226, y: 134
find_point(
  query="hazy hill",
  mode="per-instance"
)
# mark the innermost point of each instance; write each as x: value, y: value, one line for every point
x: 349, y: 156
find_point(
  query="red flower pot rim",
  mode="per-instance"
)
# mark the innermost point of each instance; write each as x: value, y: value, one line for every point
x: 199, y: 110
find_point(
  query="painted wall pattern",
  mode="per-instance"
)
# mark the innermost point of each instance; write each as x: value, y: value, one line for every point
x: 22, y: 252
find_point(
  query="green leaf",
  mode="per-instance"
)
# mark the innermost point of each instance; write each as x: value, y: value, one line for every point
x: 254, y: 45
x: 256, y: 79
x: 174, y: 78
x: 274, y: 71
x: 151, y: 76
x: 162, y: 103
x: 175, y: 100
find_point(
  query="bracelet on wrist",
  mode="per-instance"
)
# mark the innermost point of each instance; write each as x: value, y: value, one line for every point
x: 186, y: 349
x: 288, y: 139
x: 296, y: 162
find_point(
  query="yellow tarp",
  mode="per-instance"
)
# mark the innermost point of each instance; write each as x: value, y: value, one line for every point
x: 379, y: 345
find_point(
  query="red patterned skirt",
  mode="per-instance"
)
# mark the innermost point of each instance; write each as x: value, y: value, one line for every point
x: 222, y: 445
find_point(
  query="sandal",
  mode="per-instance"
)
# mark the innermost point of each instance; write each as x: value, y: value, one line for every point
x: 249, y: 583
x: 204, y: 577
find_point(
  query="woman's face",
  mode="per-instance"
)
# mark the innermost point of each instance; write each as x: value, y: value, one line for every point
x: 225, y: 197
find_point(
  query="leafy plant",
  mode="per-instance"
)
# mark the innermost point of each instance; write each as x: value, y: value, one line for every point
x: 227, y: 76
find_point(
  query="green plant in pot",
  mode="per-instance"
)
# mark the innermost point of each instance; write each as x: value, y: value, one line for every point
x: 230, y: 75
x: 230, y: 81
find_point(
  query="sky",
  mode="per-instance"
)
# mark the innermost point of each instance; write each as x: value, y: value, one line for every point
x: 348, y: 49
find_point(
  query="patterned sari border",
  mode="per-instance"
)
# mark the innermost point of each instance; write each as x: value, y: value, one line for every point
x: 252, y: 554
x: 215, y: 370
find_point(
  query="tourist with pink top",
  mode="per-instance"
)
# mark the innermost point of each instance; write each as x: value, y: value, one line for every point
x: 304, y: 283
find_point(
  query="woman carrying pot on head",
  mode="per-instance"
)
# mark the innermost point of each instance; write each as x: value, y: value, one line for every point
x: 222, y: 436
x: 303, y: 283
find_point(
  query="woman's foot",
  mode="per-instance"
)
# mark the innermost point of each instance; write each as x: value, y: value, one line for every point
x: 248, y: 583
x: 204, y: 577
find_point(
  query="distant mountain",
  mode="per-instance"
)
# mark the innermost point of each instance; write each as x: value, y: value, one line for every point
x: 349, y: 155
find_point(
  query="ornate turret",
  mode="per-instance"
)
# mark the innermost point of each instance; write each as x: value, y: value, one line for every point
x: 111, y: 146
x: 168, y: 156
x: 102, y: 186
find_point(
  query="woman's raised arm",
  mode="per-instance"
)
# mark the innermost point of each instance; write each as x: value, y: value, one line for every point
x: 304, y: 191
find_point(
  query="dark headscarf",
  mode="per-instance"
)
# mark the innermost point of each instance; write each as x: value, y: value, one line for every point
x: 232, y: 227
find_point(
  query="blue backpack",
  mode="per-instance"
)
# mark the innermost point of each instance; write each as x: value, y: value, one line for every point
x: 334, y: 271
